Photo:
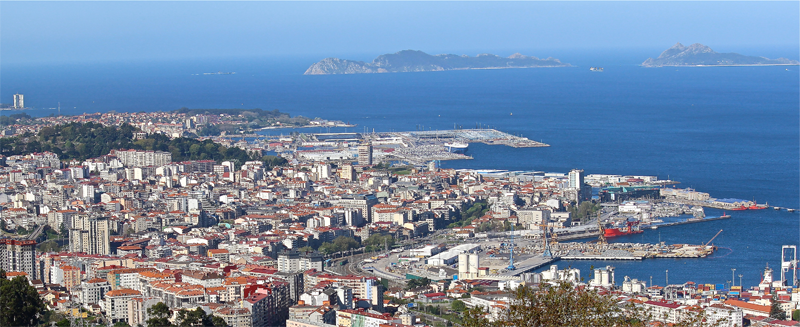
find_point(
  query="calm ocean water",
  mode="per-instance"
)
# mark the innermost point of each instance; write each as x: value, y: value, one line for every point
x: 731, y: 131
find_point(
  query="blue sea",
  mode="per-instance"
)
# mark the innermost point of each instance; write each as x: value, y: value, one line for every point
x: 733, y: 132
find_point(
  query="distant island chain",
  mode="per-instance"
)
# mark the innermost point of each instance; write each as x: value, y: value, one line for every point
x: 418, y: 61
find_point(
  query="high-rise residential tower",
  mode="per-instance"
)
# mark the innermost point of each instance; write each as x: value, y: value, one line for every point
x: 576, y: 178
x: 19, y: 101
x: 89, y: 235
x: 365, y: 154
x: 18, y: 255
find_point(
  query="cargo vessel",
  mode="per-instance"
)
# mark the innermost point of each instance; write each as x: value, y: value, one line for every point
x: 614, y: 232
x: 754, y: 206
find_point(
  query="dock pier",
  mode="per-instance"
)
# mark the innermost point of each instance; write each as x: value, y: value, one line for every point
x: 689, y: 221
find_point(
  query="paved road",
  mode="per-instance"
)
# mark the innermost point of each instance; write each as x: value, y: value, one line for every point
x: 355, y: 262
x: 36, y: 233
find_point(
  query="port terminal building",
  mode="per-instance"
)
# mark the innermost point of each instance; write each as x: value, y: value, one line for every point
x: 623, y: 193
x: 427, y: 251
x: 450, y: 257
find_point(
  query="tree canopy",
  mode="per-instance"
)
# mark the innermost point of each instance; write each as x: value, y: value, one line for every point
x: 20, y: 304
x: 89, y: 140
x: 458, y: 305
x: 775, y: 310
x: 564, y: 305
x: 414, y: 283
x: 469, y: 212
x: 340, y: 244
x: 198, y: 318
x: 583, y: 211
x: 255, y: 118
x: 377, y: 242
x: 20, y: 118
x: 160, y: 313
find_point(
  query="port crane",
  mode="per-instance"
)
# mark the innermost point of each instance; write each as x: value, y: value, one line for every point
x: 601, y: 239
x: 548, y: 252
x: 553, y: 237
x: 712, y: 239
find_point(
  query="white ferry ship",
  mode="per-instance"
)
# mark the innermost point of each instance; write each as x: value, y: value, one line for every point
x: 456, y: 147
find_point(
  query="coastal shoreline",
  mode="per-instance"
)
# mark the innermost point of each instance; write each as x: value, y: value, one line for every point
x: 304, y: 126
x: 753, y: 65
x: 444, y: 70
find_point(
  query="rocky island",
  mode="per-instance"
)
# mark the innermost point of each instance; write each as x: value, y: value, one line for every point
x: 701, y: 55
x: 418, y: 61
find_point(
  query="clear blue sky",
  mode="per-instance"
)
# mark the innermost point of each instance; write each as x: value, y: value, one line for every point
x: 89, y: 31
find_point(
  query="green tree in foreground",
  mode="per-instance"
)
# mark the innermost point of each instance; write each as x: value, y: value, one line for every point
x: 775, y: 310
x: 20, y: 304
x: 160, y: 313
x: 563, y: 305
x: 199, y: 318
x: 414, y: 283
x: 218, y: 321
x: 458, y: 305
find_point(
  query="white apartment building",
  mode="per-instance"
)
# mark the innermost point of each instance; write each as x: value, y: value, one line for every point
x: 138, y: 158
x: 116, y: 303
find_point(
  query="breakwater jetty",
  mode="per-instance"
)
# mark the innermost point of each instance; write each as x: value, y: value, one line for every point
x: 689, y: 221
x: 411, y: 147
x: 486, y: 136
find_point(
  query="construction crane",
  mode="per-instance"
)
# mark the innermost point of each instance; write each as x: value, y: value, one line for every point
x: 715, y: 236
x: 548, y: 253
x: 553, y: 237
x: 601, y: 239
